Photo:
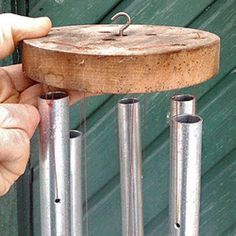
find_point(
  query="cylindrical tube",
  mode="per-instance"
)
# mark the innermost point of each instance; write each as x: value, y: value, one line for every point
x: 185, y: 175
x: 130, y: 151
x: 182, y: 104
x: 54, y: 164
x: 76, y: 183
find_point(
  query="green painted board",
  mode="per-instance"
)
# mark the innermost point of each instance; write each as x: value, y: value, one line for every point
x: 8, y: 213
x: 5, y: 7
x: 161, y: 12
x: 216, y: 104
x: 73, y: 11
x: 103, y: 166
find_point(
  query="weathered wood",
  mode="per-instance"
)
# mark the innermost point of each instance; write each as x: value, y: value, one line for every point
x: 93, y: 58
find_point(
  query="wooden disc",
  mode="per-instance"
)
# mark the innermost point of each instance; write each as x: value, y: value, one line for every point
x: 93, y: 58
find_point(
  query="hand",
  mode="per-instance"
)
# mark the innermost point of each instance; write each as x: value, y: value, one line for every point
x: 18, y: 97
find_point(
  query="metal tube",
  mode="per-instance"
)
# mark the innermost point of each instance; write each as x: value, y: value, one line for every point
x: 54, y: 164
x: 130, y: 151
x: 76, y: 182
x: 183, y: 104
x: 185, y: 175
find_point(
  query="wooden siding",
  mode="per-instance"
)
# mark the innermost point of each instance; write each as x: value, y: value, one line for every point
x: 216, y: 104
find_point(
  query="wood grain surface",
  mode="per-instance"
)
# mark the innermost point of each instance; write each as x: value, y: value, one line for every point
x: 93, y: 58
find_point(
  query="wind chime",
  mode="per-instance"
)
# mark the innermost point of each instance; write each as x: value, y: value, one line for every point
x: 119, y: 59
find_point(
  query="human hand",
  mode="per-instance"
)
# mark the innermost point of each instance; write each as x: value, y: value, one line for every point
x: 18, y: 97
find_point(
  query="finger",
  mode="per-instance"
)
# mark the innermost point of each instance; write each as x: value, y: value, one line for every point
x: 19, y: 80
x: 19, y: 116
x: 30, y: 96
x: 15, y: 28
x: 14, y: 158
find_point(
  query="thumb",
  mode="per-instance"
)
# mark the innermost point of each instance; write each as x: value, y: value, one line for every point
x: 14, y: 28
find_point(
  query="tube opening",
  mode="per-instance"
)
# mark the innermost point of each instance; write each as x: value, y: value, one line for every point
x: 183, y: 97
x: 127, y: 101
x: 75, y: 134
x: 177, y: 225
x: 188, y: 119
x: 54, y: 95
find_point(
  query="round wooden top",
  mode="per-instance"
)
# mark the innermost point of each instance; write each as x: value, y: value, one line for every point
x: 148, y: 58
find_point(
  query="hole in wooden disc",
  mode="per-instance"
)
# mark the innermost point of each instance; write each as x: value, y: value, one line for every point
x: 150, y: 34
x: 104, y: 32
x: 109, y: 39
x: 178, y: 44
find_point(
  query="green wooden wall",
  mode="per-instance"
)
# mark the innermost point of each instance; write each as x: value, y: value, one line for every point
x: 19, y: 210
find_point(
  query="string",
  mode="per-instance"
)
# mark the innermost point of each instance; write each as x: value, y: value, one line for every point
x: 85, y: 169
x: 176, y: 170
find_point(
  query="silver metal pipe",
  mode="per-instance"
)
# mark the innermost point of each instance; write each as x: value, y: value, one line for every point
x: 54, y: 164
x: 183, y: 104
x: 185, y: 175
x: 76, y: 183
x: 130, y: 152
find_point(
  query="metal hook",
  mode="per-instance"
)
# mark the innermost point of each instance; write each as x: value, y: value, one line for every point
x: 117, y: 15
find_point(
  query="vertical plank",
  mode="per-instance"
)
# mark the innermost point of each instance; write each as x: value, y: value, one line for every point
x: 8, y: 213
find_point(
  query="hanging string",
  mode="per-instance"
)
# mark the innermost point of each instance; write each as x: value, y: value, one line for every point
x: 85, y: 170
x: 177, y: 221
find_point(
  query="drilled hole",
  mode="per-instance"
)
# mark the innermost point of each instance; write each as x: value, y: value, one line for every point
x: 109, y: 39
x: 75, y: 134
x: 151, y: 34
x: 177, y: 225
x: 178, y: 44
x: 104, y: 32
x: 58, y: 200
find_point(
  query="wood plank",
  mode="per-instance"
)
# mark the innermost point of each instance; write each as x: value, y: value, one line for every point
x: 214, y: 20
x: 160, y: 12
x: 24, y: 206
x: 5, y: 6
x: 77, y: 12
x: 230, y: 231
x: 33, y: 3
x: 8, y: 213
